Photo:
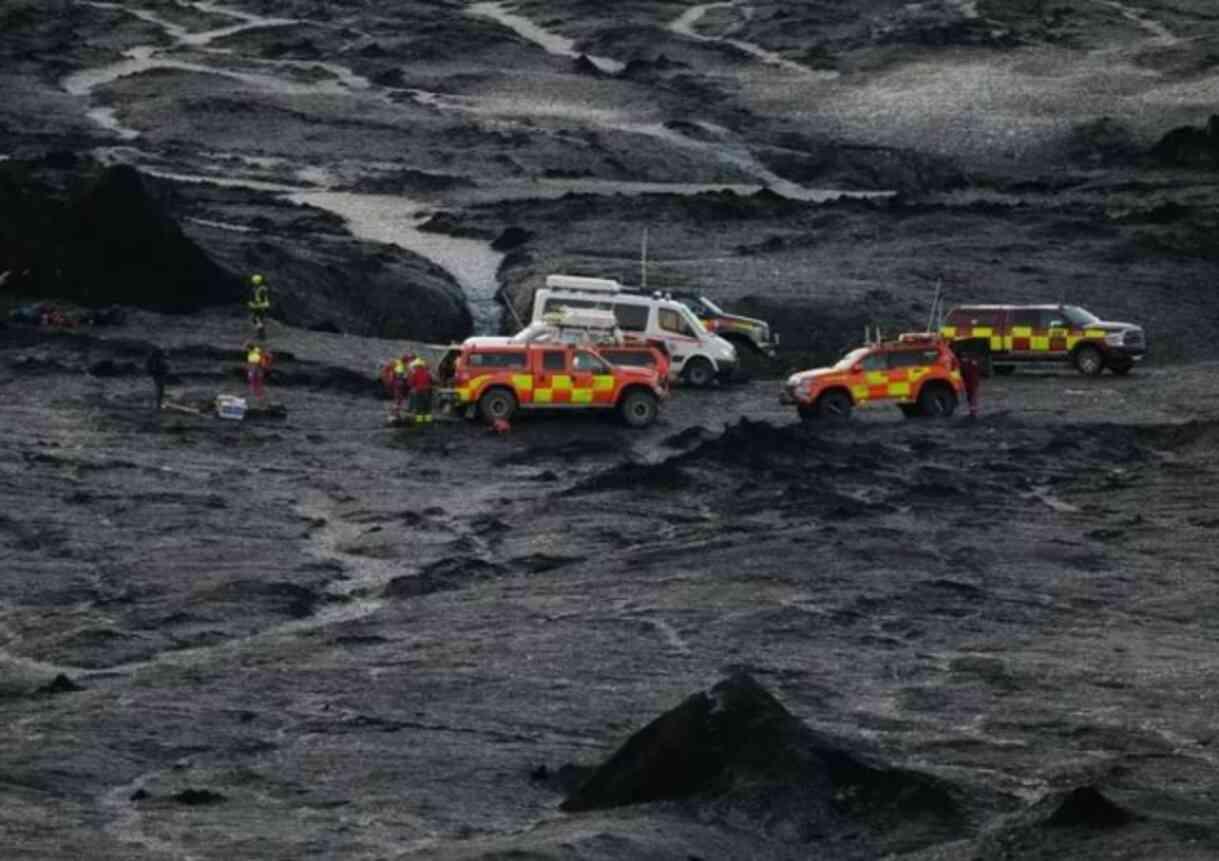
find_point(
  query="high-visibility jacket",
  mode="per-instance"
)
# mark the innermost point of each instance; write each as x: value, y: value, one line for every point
x: 258, y: 358
x: 261, y: 300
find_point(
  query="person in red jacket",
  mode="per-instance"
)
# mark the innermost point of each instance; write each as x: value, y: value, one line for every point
x: 421, y: 391
x: 971, y: 376
x: 258, y: 365
x: 395, y: 376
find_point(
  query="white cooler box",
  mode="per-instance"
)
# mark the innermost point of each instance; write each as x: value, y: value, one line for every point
x: 229, y: 407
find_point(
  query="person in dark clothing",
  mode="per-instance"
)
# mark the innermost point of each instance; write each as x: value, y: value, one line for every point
x: 971, y: 376
x: 157, y: 367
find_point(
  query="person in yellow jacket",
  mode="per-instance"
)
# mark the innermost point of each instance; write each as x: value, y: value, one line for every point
x: 259, y: 304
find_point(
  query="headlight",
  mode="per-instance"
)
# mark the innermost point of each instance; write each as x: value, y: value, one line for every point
x: 1114, y: 339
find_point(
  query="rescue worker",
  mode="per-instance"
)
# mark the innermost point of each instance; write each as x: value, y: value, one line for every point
x: 158, y: 369
x: 258, y: 363
x: 971, y: 377
x: 421, y: 391
x: 259, y: 304
x: 396, y: 377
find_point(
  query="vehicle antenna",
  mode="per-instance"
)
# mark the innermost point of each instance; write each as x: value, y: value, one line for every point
x: 935, y: 305
x: 503, y: 298
x: 643, y: 261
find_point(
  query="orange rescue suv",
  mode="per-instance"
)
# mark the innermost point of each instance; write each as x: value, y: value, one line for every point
x: 500, y: 378
x: 918, y: 372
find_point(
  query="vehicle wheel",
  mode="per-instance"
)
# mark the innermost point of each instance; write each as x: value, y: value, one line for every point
x: 497, y: 404
x: 1004, y: 370
x: 937, y: 401
x: 1121, y: 370
x: 1089, y: 361
x: 699, y: 373
x: 638, y: 408
x: 834, y: 405
x: 807, y: 412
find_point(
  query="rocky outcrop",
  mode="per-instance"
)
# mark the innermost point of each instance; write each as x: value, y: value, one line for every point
x: 1188, y: 146
x: 70, y: 229
x: 735, y: 747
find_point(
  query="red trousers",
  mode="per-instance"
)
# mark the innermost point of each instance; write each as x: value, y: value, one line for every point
x: 254, y: 378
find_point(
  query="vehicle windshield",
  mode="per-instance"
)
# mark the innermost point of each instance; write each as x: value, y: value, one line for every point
x: 1079, y: 316
x: 851, y: 358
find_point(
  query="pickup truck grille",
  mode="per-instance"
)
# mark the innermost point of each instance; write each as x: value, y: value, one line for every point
x: 1133, y: 338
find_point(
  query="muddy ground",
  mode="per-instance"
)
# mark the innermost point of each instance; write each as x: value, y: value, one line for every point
x: 319, y: 637
x: 316, y: 637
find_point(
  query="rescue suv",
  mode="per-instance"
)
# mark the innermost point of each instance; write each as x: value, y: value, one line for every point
x: 918, y: 372
x: 734, y: 328
x: 1014, y: 335
x: 496, y: 377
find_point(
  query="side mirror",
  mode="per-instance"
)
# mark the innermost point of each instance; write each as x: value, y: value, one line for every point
x: 1057, y: 324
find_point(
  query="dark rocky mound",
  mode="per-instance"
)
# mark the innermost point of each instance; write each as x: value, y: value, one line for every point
x: 95, y: 235
x: 737, y: 749
x: 1083, y: 823
x: 643, y: 477
x: 1188, y: 146
x: 511, y: 238
x: 1102, y: 142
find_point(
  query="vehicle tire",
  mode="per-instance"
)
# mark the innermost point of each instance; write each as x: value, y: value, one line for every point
x: 1122, y: 369
x: 834, y: 405
x: 807, y: 412
x: 638, y: 408
x: 937, y: 401
x: 495, y: 404
x: 1004, y: 370
x: 699, y: 373
x: 1088, y: 360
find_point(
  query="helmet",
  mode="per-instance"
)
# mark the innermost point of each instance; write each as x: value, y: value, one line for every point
x: 255, y: 280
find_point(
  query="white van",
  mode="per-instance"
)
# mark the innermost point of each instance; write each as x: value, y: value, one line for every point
x: 697, y: 356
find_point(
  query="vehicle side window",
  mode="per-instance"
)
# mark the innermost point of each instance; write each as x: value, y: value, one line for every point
x: 670, y: 321
x: 554, y: 360
x: 1054, y: 318
x: 558, y: 304
x: 873, y: 362
x: 1030, y: 317
x: 631, y: 318
x: 976, y: 317
x: 587, y: 363
x: 514, y: 359
x: 633, y: 358
x: 912, y: 358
